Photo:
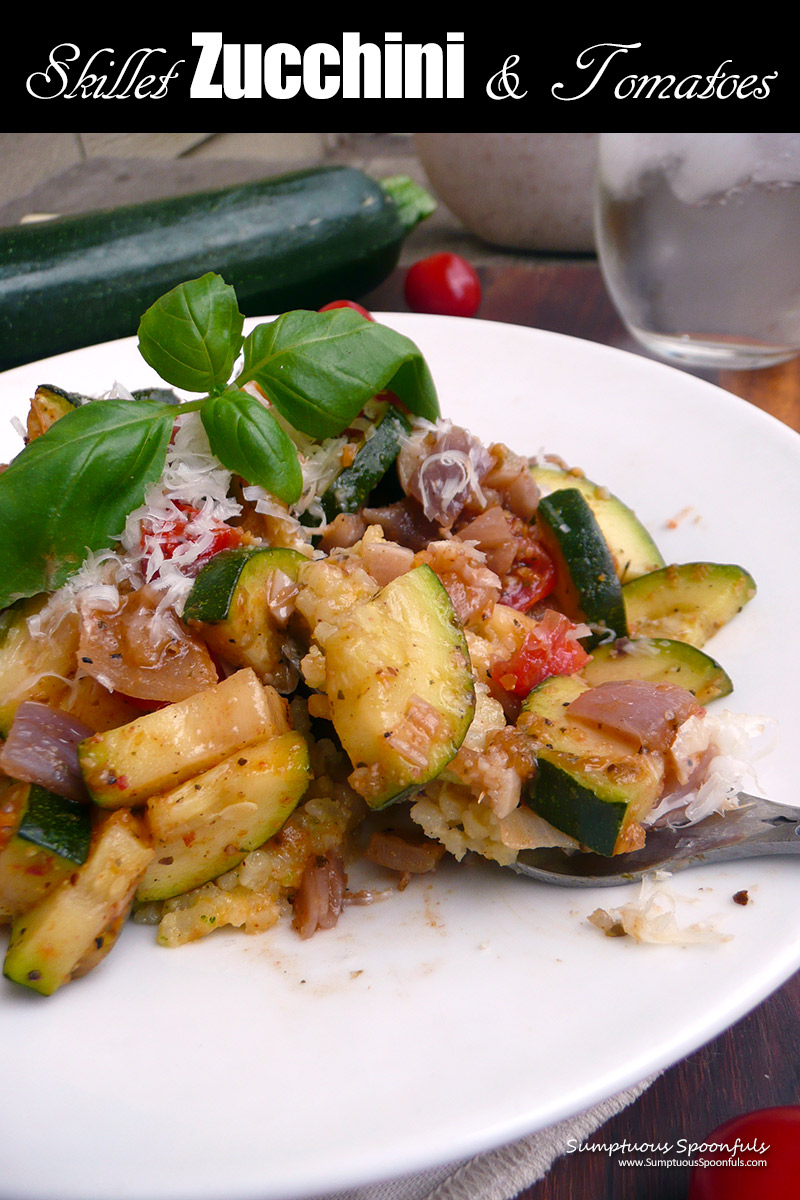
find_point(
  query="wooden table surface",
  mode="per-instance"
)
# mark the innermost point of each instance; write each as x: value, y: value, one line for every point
x: 756, y: 1063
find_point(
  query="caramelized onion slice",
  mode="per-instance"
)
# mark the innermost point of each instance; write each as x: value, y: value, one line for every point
x: 397, y: 853
x: 143, y: 651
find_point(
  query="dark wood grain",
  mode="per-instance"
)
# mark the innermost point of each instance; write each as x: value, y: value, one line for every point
x: 756, y: 1063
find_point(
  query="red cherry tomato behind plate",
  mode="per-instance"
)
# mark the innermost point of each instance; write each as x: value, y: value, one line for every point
x: 769, y: 1134
x: 359, y: 308
x: 444, y: 283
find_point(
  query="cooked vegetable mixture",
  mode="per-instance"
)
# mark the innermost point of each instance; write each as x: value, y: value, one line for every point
x: 249, y: 638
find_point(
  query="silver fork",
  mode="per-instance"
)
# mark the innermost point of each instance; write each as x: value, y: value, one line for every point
x: 759, y: 827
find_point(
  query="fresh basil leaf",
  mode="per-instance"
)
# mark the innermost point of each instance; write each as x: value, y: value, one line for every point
x: 319, y: 369
x: 192, y: 335
x: 248, y: 440
x: 69, y: 491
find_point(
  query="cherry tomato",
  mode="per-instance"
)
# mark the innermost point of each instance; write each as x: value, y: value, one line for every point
x: 359, y: 308
x: 550, y: 649
x: 770, y: 1135
x: 529, y: 582
x: 444, y: 283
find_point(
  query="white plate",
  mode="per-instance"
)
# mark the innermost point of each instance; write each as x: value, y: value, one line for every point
x: 475, y: 1006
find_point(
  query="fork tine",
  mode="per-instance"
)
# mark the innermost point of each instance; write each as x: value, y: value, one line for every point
x: 759, y: 827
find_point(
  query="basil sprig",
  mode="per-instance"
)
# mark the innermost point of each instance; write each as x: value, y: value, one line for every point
x: 319, y: 369
x: 250, y: 442
x: 70, y: 490
x: 192, y: 335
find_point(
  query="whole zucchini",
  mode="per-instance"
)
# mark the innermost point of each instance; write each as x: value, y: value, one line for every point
x: 291, y: 241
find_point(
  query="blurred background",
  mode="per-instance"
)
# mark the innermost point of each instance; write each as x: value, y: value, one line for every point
x: 73, y: 172
x: 517, y: 206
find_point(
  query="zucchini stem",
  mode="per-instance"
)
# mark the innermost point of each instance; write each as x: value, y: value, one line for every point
x: 413, y: 202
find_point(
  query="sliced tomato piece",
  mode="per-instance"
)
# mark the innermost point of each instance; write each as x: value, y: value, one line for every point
x: 529, y: 582
x: 142, y: 704
x: 550, y: 649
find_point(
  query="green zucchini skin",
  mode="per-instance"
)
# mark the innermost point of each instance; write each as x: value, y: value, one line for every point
x: 632, y: 548
x: 577, y: 809
x: 587, y: 586
x: 292, y: 241
x: 351, y: 489
x: 56, y: 823
x: 217, y: 582
x: 687, y: 602
x: 659, y: 660
x: 586, y: 784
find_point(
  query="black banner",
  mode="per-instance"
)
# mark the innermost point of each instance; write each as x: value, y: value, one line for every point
x: 617, y: 74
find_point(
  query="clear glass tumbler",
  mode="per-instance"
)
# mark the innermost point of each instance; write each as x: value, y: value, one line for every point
x: 698, y: 237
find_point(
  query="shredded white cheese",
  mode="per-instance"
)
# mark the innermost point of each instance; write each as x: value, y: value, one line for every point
x: 192, y: 476
x: 652, y: 917
x: 723, y: 747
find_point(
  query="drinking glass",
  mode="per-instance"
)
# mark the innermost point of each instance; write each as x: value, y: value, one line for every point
x: 698, y: 238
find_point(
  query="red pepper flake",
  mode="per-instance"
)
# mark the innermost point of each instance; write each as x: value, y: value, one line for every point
x: 39, y: 867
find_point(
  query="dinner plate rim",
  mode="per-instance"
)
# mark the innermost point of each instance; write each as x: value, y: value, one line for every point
x: 771, y: 974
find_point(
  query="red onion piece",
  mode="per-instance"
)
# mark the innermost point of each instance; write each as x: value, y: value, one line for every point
x: 41, y: 747
x: 320, y: 896
x: 647, y: 713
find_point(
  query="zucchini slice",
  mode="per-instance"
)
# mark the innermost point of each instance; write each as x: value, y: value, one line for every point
x: 30, y: 864
x: 49, y: 942
x: 687, y: 603
x: 47, y: 405
x: 587, y: 586
x: 123, y: 767
x: 56, y: 823
x: 588, y: 783
x: 208, y: 825
x: 632, y: 548
x: 350, y: 490
x: 400, y: 686
x: 229, y: 606
x: 27, y: 874
x: 658, y: 660
x: 33, y: 668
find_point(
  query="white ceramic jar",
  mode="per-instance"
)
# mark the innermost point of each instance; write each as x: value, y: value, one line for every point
x: 522, y: 191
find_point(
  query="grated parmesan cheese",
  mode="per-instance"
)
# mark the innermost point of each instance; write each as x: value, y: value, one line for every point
x: 192, y: 476
x: 726, y: 745
x: 652, y: 917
